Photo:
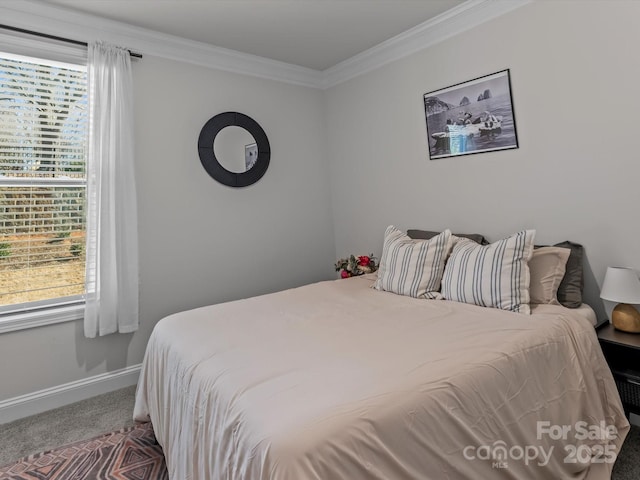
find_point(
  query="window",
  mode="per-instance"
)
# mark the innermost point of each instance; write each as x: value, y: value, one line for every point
x: 43, y: 128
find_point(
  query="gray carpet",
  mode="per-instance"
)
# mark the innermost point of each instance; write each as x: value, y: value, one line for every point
x: 114, y: 411
x: 627, y: 466
x: 78, y: 421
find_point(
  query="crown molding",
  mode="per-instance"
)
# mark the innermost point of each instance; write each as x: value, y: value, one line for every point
x: 55, y: 20
x: 452, y: 22
x: 32, y: 45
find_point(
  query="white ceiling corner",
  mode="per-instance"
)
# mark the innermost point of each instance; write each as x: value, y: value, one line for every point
x: 55, y: 20
x: 452, y: 22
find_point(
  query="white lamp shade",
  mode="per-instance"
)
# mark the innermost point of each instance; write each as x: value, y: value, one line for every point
x: 621, y: 285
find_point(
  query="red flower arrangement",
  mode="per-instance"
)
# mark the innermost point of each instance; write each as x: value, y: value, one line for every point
x: 353, y: 266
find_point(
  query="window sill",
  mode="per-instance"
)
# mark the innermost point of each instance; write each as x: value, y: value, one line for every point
x: 40, y: 318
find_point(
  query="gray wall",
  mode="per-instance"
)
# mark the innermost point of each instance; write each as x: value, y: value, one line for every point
x: 574, y: 75
x: 200, y: 242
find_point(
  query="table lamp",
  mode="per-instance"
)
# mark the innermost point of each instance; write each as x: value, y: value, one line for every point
x: 623, y: 286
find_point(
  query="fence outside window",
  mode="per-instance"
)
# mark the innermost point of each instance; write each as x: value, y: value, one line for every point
x: 43, y: 128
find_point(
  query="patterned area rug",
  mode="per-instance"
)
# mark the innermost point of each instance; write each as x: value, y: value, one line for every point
x: 129, y: 454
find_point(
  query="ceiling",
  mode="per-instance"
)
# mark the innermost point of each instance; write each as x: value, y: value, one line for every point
x: 311, y: 33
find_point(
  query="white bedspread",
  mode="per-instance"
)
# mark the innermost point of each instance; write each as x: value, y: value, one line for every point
x: 337, y: 381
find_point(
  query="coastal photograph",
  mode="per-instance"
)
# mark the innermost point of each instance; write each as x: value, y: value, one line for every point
x: 471, y: 117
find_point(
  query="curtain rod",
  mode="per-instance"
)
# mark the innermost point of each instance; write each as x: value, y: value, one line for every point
x: 54, y: 37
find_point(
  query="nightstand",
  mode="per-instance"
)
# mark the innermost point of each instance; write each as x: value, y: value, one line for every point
x: 622, y: 351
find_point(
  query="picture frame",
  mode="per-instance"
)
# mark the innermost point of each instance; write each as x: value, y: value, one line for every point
x: 475, y: 116
x: 250, y: 155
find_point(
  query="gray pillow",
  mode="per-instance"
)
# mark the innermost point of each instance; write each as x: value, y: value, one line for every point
x: 572, y: 285
x: 427, y: 235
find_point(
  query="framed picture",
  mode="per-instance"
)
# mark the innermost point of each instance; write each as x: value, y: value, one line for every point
x: 471, y: 117
x: 250, y: 155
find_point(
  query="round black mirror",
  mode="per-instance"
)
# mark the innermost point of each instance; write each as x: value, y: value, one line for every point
x: 245, y: 152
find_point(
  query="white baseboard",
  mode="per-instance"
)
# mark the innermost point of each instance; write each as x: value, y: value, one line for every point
x: 54, y: 397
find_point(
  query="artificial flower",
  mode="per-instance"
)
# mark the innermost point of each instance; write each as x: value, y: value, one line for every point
x: 354, y: 266
x: 364, y: 260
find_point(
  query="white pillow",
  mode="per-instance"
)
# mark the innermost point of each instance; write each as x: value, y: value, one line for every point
x: 495, y: 275
x: 412, y: 267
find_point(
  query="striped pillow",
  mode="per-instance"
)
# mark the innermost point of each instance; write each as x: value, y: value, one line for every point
x: 413, y: 267
x: 495, y: 275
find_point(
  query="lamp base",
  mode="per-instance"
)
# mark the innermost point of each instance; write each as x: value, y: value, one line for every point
x: 626, y: 318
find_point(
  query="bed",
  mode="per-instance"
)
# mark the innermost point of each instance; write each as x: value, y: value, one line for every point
x: 336, y: 380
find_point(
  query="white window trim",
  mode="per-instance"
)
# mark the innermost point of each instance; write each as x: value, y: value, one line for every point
x: 39, y: 318
x: 53, y: 313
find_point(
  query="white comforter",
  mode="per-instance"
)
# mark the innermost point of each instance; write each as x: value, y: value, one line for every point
x: 339, y: 381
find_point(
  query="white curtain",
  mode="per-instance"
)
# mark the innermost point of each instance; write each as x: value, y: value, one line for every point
x: 112, y: 236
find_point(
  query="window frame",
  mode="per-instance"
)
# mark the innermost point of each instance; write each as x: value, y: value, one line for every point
x: 61, y: 309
